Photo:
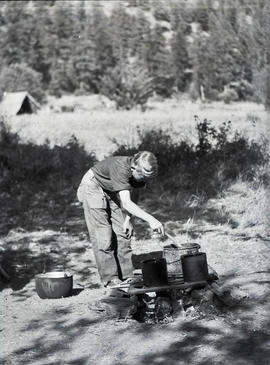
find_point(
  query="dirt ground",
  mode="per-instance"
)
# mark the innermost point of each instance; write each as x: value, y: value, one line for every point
x: 76, y: 330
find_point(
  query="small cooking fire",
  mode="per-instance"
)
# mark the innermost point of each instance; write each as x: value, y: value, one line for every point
x: 179, y: 283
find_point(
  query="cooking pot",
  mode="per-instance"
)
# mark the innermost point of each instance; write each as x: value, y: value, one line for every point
x: 173, y: 254
x: 194, y: 267
x: 54, y: 284
x: 154, y: 272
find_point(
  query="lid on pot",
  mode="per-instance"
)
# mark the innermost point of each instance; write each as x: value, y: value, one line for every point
x: 193, y: 255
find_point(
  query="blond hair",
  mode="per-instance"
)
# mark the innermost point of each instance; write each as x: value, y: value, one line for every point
x: 146, y: 163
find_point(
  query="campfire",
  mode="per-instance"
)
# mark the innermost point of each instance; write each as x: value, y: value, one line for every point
x: 180, y: 283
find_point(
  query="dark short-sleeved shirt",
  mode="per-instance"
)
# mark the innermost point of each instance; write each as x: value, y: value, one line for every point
x: 114, y: 174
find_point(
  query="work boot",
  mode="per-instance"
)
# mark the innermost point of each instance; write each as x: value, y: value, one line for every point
x: 113, y: 282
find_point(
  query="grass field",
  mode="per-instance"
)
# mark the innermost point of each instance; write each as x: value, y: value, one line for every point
x: 95, y: 124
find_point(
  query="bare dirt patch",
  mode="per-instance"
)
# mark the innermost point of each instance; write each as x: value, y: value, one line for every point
x: 76, y: 330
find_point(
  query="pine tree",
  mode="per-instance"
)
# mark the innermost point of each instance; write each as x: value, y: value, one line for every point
x: 99, y: 32
x: 128, y: 84
x: 267, y: 53
x: 158, y: 61
x: 81, y: 18
x: 41, y: 41
x: 201, y: 14
x: 254, y: 38
x: 84, y: 64
x: 20, y: 77
x: 121, y: 29
x: 180, y: 59
x: 141, y: 28
x: 144, y: 5
x: 64, y: 35
x: 217, y: 58
x: 161, y: 10
x: 14, y: 44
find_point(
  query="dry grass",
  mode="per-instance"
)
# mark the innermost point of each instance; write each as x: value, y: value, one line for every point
x: 247, y: 206
x: 95, y: 125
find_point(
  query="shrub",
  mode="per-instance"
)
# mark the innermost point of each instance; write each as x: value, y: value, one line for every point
x: 38, y: 179
x: 228, y: 95
x: 211, y: 164
x: 20, y: 77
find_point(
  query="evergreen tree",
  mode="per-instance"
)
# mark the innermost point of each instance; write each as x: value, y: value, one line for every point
x: 14, y: 44
x: 81, y: 18
x: 228, y: 10
x: 142, y: 4
x: 267, y: 54
x: 201, y: 14
x: 161, y: 10
x: 84, y: 64
x: 64, y: 34
x: 42, y: 41
x: 261, y: 29
x: 99, y: 32
x: 158, y: 60
x: 20, y: 77
x: 141, y: 28
x: 201, y: 67
x: 180, y: 59
x: 121, y: 30
x: 128, y: 84
x: 217, y: 58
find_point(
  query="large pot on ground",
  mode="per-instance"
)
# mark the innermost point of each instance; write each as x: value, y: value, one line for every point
x: 54, y: 285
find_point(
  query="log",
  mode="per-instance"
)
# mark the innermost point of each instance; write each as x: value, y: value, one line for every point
x: 228, y: 296
x: 135, y: 291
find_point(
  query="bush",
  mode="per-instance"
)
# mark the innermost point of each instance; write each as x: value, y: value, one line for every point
x: 20, y: 77
x: 38, y: 179
x: 217, y: 159
x: 228, y: 95
x: 41, y: 166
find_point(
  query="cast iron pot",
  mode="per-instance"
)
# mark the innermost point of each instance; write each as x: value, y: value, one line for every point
x: 154, y: 272
x: 194, y: 267
x: 54, y: 285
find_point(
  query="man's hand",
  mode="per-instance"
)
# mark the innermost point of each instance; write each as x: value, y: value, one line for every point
x: 128, y: 227
x: 133, y: 209
x: 156, y: 226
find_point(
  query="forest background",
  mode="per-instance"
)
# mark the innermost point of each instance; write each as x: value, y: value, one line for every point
x: 128, y: 50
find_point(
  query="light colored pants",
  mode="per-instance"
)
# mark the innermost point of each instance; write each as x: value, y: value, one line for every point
x: 104, y: 219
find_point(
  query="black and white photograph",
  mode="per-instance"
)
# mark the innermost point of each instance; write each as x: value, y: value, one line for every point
x: 135, y: 182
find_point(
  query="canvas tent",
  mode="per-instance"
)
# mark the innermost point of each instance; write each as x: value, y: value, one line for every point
x: 18, y: 103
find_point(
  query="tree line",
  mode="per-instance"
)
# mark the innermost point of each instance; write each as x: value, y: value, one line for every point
x: 216, y: 49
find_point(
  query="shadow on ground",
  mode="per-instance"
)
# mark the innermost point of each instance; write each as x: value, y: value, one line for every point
x: 237, y: 335
x: 25, y: 254
x: 53, y: 344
